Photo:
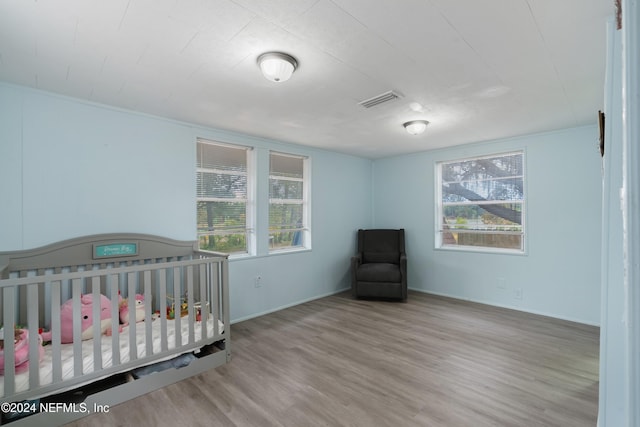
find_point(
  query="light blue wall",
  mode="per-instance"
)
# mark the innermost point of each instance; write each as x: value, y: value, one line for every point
x: 84, y: 169
x: 559, y: 275
x: 613, y: 372
x: 10, y: 168
x: 70, y: 168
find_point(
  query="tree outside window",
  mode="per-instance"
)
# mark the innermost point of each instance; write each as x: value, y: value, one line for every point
x: 481, y: 203
x: 288, y: 202
x: 222, y: 197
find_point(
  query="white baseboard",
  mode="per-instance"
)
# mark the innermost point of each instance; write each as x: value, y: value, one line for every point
x: 539, y: 313
x: 282, y: 307
x: 442, y: 294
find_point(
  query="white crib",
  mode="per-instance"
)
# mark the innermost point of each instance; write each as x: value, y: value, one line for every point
x: 184, y: 331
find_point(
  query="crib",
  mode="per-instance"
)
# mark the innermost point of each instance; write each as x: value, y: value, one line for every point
x: 174, y: 296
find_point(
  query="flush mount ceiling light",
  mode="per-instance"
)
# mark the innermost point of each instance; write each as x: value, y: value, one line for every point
x: 276, y: 66
x: 416, y: 127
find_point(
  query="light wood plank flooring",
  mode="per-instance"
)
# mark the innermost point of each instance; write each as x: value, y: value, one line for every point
x: 431, y: 361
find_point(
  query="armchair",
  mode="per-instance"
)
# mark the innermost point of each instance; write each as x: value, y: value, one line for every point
x: 379, y: 269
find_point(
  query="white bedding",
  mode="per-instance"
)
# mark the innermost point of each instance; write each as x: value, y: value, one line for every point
x: 22, y: 380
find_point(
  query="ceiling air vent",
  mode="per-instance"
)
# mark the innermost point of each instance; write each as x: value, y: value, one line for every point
x: 379, y: 99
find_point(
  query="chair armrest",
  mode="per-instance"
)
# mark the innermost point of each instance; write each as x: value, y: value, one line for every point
x: 355, y: 263
x: 356, y: 260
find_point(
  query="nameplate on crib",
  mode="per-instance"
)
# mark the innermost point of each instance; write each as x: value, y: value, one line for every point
x: 113, y: 250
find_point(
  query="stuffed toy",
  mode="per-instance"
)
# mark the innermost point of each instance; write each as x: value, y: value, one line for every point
x: 171, y: 310
x: 139, y: 309
x: 86, y: 305
x: 184, y: 310
x: 21, y: 350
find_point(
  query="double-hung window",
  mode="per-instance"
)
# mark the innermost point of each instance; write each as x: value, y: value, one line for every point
x: 223, y: 197
x: 288, y: 202
x: 481, y: 203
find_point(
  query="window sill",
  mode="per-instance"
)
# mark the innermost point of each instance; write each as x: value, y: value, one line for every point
x: 288, y: 251
x: 244, y: 257
x: 482, y: 250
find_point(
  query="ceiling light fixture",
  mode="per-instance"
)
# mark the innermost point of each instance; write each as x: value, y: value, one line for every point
x: 416, y: 127
x: 276, y: 66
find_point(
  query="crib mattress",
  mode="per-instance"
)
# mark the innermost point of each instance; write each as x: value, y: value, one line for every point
x: 46, y: 377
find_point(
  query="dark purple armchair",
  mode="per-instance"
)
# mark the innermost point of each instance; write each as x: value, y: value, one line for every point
x: 379, y: 270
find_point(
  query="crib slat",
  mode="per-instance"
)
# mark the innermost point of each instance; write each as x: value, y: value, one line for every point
x: 224, y: 309
x: 42, y: 301
x: 163, y: 308
x: 215, y: 286
x: 115, y: 329
x: 21, y: 293
x: 204, y: 301
x: 131, y: 296
x: 147, y: 312
x: 32, y: 326
x: 76, y: 294
x: 46, y: 300
x: 56, y: 356
x: 9, y: 347
x: 191, y: 308
x: 97, y: 324
x: 177, y: 309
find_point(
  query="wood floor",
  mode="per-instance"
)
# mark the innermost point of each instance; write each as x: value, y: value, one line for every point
x: 431, y: 361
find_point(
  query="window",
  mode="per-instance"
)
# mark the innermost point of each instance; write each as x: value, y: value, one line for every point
x: 288, y: 202
x: 222, y: 184
x: 480, y: 203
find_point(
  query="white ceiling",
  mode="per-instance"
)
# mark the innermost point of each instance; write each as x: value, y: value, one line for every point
x: 481, y: 70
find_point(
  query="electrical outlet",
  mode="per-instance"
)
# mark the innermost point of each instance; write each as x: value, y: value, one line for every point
x: 518, y: 293
x: 501, y: 283
x: 258, y: 281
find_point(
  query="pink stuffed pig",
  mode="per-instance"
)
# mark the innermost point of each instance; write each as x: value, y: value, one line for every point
x: 139, y: 309
x: 86, y: 319
x: 21, y: 351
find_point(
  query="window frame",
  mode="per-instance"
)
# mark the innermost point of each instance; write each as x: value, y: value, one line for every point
x: 249, y: 200
x: 305, y: 227
x: 439, y: 243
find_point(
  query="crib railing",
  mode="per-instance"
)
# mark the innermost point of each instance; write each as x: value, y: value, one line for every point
x: 197, y: 286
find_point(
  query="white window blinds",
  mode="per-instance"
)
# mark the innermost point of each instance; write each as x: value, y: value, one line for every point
x: 222, y: 197
x: 288, y: 200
